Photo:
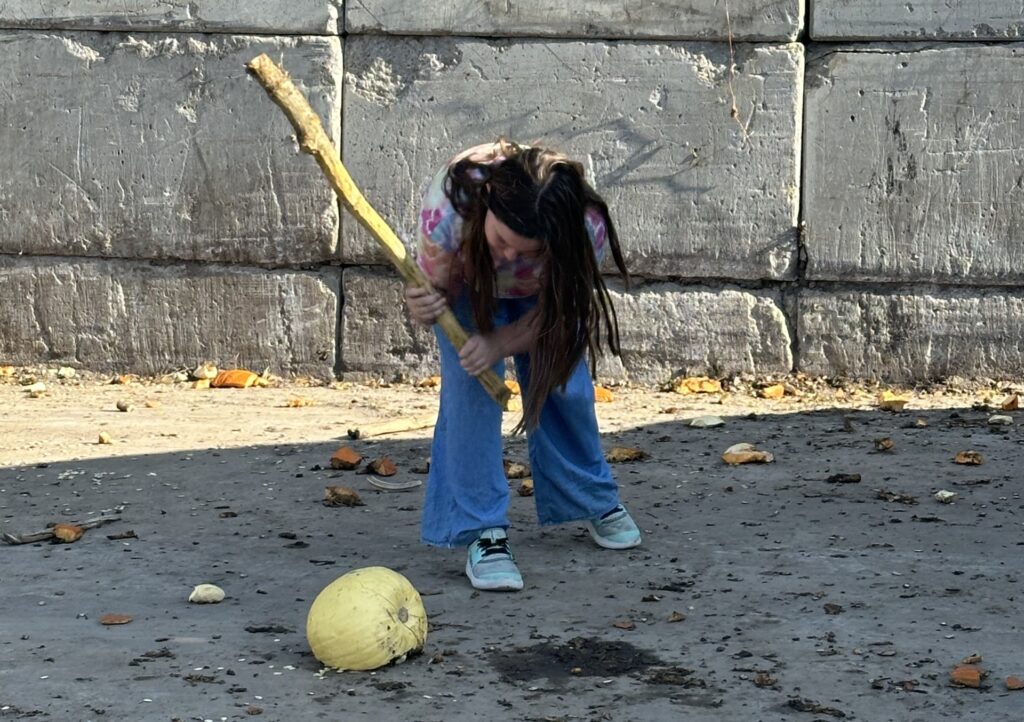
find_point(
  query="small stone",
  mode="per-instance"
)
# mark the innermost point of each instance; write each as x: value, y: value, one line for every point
x: 706, y: 422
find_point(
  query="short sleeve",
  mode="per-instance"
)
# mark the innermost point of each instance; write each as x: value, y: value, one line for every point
x: 439, y: 232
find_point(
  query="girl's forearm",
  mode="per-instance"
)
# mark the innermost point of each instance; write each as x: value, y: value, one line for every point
x: 518, y: 337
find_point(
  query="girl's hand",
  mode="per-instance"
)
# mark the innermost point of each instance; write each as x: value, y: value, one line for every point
x: 480, y: 353
x: 424, y: 306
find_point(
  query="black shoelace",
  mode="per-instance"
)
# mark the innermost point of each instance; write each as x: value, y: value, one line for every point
x: 490, y: 547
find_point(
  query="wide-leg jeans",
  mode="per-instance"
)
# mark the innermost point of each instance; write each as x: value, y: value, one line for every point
x: 467, y: 491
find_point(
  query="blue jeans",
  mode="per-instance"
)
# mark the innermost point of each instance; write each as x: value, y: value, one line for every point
x: 467, y: 490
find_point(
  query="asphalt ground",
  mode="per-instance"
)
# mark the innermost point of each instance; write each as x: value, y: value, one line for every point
x: 761, y: 592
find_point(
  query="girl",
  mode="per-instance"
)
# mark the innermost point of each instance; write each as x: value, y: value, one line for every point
x: 514, y: 236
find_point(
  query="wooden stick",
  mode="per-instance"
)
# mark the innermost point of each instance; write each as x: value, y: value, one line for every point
x: 313, y: 140
x: 395, y: 426
x: 48, y: 534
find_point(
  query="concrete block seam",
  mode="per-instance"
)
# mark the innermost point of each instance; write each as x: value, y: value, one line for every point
x: 311, y: 18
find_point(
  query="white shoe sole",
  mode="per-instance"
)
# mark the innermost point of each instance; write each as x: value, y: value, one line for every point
x: 496, y: 585
x: 602, y: 542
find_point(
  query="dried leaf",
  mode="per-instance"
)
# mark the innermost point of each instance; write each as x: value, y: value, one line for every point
x: 972, y: 659
x: 514, y: 405
x: 885, y: 444
x: 201, y: 384
x: 513, y: 386
x: 515, y: 470
x: 886, y: 495
x: 341, y: 496
x: 234, y: 379
x: 966, y: 676
x: 1010, y: 403
x: 888, y: 401
x: 6, y: 371
x: 763, y: 679
x: 697, y: 385
x: 603, y: 395
x: 833, y: 609
x: 104, y: 438
x: 844, y: 479
x: 746, y: 454
x: 621, y: 454
x: 1014, y: 683
x: 112, y: 619
x: 809, y: 705
x: 299, y: 402
x: 152, y: 404
x: 431, y: 382
x: 969, y: 458
x: 525, y: 488
x: 776, y: 391
x: 67, y: 533
x: 626, y: 624
x: 382, y: 467
x: 676, y: 617
x: 346, y: 458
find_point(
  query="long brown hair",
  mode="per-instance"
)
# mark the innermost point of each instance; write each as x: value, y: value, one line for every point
x: 543, y: 195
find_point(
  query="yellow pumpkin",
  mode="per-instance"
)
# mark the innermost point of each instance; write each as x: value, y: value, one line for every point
x: 366, y: 619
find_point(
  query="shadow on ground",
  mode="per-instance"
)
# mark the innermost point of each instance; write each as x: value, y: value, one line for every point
x: 761, y: 592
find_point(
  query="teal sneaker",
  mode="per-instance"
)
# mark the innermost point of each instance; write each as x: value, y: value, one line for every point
x: 615, y: 530
x: 490, y: 565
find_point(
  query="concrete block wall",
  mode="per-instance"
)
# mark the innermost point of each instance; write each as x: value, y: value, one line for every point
x: 858, y: 214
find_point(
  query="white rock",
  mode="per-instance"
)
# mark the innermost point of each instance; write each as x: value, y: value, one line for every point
x: 740, y: 448
x: 1000, y: 420
x: 945, y: 497
x: 706, y: 422
x: 206, y: 594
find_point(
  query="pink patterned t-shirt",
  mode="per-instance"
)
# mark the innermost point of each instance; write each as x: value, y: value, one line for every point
x: 441, y: 237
